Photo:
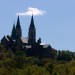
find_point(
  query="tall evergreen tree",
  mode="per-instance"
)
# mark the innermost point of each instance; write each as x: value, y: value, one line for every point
x: 18, y: 29
x: 13, y: 34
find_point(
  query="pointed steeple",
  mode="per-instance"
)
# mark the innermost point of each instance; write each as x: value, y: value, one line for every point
x: 18, y: 22
x: 32, y: 32
x: 13, y: 34
x: 32, y: 22
x: 18, y: 29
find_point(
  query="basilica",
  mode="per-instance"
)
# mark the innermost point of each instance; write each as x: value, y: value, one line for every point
x: 29, y: 45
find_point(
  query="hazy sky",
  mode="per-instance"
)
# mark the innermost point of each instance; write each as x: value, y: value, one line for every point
x: 54, y: 20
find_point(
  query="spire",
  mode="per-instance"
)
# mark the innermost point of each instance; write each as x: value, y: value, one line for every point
x: 13, y: 34
x: 32, y: 32
x: 18, y: 22
x: 18, y: 29
x: 32, y: 22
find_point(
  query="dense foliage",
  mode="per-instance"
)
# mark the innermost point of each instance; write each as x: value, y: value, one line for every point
x: 65, y: 55
x: 19, y: 64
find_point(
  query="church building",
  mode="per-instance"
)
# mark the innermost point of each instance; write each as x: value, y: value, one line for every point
x: 15, y: 41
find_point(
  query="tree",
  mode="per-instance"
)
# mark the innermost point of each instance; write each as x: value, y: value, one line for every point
x: 65, y: 55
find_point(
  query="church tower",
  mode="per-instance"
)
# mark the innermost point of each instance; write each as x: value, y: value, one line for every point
x: 32, y: 32
x: 18, y: 29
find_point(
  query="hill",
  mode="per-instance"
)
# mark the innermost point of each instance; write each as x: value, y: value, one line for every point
x: 19, y: 64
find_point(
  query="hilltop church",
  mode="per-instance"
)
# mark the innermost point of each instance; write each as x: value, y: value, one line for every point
x: 32, y: 47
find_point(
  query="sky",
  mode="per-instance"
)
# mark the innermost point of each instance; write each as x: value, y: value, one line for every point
x: 54, y: 20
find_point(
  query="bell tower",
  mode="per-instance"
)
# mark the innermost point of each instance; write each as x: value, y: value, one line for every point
x: 32, y: 32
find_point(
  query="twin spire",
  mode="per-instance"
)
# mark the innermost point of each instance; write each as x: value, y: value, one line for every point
x: 17, y: 32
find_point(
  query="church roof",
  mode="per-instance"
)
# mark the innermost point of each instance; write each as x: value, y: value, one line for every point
x: 6, y: 38
x: 24, y: 40
x: 46, y: 46
x: 28, y: 46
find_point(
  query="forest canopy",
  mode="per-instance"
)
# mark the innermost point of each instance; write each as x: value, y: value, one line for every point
x: 19, y: 64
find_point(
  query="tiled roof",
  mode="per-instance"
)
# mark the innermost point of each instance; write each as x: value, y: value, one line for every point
x: 24, y: 40
x: 28, y: 46
x: 46, y: 46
